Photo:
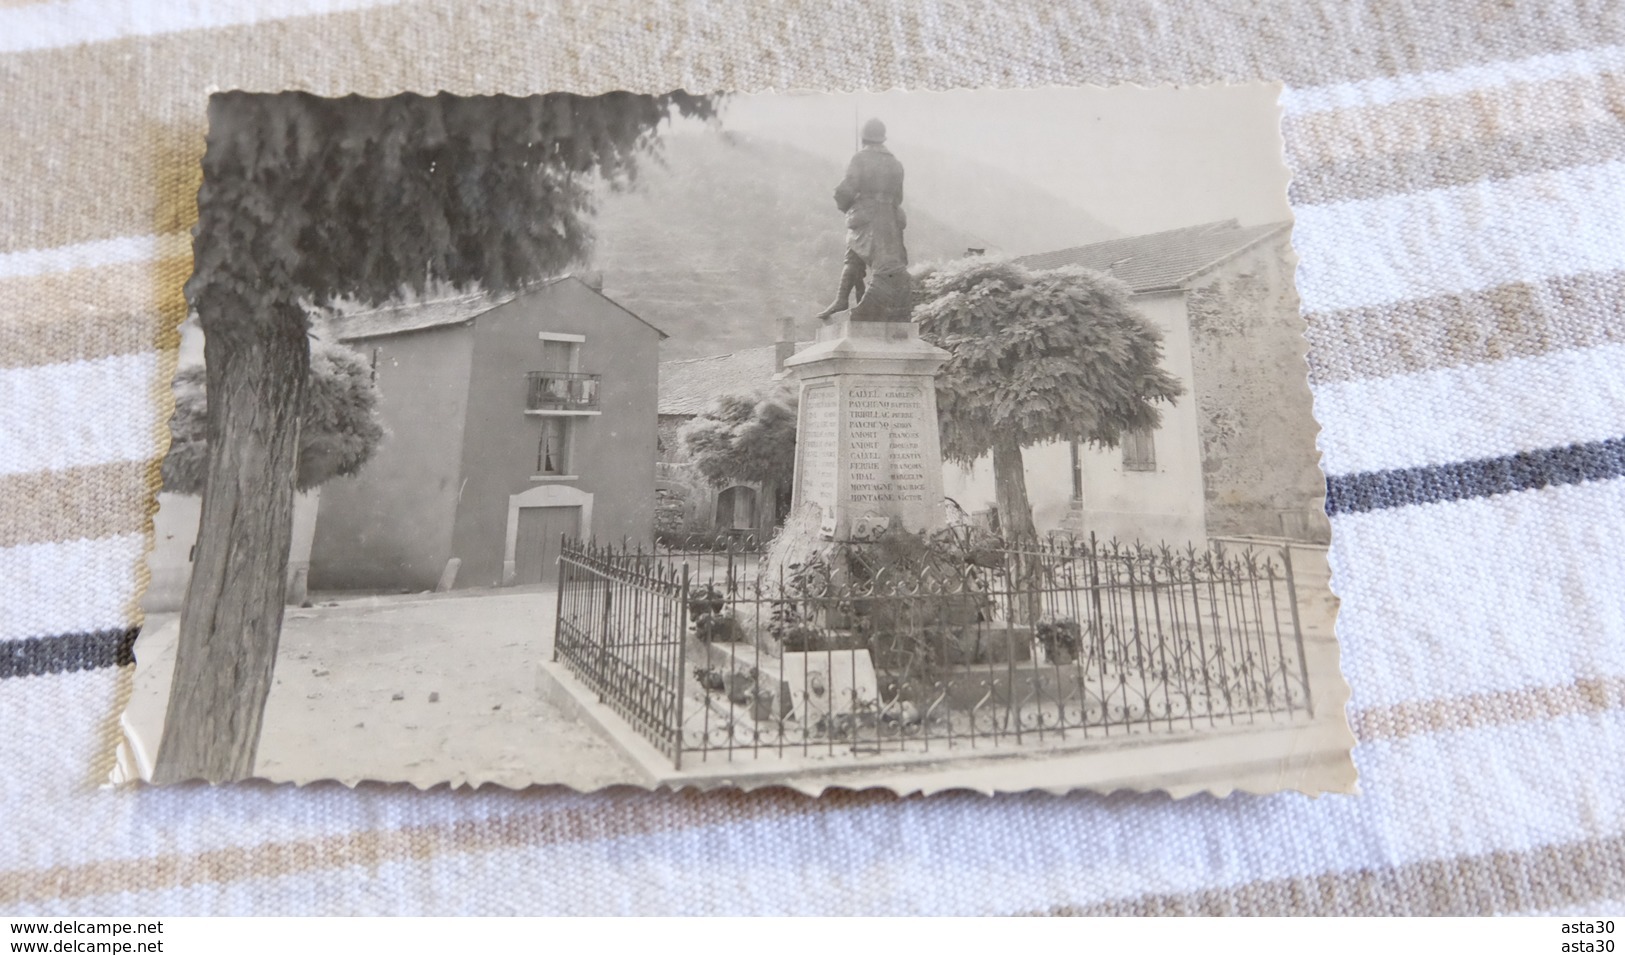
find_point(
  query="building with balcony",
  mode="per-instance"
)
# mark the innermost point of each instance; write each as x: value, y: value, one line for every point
x: 510, y: 421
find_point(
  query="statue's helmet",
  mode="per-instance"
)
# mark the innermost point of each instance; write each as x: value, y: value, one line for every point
x: 874, y: 131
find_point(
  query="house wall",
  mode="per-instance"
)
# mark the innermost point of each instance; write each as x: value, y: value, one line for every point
x: 1048, y: 470
x: 174, y: 531
x: 1162, y: 505
x: 390, y: 527
x: 671, y: 444
x: 611, y: 455
x: 685, y: 501
x: 1165, y: 505
x: 1260, y: 465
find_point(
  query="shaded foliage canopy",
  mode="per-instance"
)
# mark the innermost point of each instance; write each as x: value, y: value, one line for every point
x: 746, y: 437
x: 1053, y: 355
x: 307, y: 199
x: 338, y: 431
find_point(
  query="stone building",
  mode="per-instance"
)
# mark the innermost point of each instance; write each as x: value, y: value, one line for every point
x: 1223, y: 296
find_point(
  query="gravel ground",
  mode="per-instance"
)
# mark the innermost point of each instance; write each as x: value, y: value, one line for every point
x: 423, y: 689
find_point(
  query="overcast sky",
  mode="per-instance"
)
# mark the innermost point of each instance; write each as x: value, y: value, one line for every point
x: 1140, y: 160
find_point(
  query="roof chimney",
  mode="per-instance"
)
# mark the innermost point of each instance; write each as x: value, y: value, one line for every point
x: 786, y: 345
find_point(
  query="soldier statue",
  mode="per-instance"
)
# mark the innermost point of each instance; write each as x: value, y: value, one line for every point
x: 871, y: 195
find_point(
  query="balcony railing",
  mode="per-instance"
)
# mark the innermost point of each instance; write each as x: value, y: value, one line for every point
x: 561, y: 391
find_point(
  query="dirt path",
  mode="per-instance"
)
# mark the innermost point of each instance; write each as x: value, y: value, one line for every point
x: 419, y: 689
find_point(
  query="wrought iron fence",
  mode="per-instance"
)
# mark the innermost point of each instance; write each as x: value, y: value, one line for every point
x: 621, y: 630
x: 723, y: 649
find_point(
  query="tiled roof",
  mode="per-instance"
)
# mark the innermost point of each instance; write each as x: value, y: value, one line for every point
x: 394, y: 319
x: 688, y: 386
x: 1161, y: 260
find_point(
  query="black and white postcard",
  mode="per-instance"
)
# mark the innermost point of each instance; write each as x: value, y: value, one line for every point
x: 908, y: 440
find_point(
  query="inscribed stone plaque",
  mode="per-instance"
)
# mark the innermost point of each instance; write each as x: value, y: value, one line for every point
x: 819, y: 451
x: 885, y: 424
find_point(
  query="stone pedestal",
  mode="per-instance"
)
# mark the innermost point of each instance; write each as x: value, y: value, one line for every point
x: 887, y: 299
x: 867, y: 448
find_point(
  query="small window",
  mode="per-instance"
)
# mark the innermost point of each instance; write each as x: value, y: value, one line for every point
x: 553, y: 448
x: 1139, y: 450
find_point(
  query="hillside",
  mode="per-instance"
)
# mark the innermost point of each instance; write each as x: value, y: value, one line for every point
x: 727, y: 234
x: 1017, y: 217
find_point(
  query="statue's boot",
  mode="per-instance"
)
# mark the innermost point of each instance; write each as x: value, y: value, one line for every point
x: 839, y: 305
x: 851, y: 281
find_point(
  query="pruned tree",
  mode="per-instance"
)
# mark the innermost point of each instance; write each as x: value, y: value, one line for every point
x: 747, y: 437
x: 1036, y: 356
x: 338, y: 432
x: 308, y: 200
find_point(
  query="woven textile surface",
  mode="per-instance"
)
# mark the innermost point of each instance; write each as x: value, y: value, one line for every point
x: 1459, y: 184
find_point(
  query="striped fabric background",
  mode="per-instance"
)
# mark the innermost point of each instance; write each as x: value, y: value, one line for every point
x: 1459, y: 177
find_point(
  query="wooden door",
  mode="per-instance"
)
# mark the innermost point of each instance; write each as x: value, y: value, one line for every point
x: 536, y: 545
x: 736, y: 509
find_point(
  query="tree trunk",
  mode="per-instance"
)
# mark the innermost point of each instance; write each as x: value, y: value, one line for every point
x: 1010, y: 490
x: 231, y: 619
x: 767, y: 512
x: 1026, y: 604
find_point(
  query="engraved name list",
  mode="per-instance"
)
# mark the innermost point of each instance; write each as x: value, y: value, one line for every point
x: 819, y: 439
x: 885, y: 460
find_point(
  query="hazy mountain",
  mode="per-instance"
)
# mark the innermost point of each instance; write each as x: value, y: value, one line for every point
x: 1017, y: 217
x: 730, y: 233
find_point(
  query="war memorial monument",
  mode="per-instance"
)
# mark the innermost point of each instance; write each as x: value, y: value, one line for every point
x: 868, y: 452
